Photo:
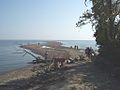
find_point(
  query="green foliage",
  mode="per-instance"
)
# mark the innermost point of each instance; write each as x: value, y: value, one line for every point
x: 105, y: 19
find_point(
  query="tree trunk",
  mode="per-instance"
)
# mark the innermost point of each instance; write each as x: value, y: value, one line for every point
x: 110, y: 22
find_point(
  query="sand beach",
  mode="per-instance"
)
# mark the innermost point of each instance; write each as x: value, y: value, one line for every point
x: 80, y: 75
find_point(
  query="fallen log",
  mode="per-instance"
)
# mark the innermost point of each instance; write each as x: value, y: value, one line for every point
x: 38, y: 59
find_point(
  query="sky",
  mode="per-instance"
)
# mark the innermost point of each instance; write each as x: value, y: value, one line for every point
x: 43, y: 20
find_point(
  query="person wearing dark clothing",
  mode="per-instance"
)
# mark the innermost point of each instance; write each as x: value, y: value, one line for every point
x: 75, y: 46
x: 87, y: 51
x: 92, y: 52
x: 46, y: 55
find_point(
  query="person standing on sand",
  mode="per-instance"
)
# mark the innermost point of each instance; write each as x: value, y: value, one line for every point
x: 77, y: 47
x: 46, y: 55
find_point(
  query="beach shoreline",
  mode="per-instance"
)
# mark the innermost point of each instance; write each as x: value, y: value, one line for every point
x: 22, y: 79
x: 9, y: 75
x: 20, y: 73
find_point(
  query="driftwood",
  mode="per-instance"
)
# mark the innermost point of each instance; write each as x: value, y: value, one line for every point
x: 38, y: 59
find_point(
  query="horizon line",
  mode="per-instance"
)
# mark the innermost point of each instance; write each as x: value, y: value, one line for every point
x: 48, y: 39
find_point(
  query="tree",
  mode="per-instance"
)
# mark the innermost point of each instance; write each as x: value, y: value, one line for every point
x: 105, y: 19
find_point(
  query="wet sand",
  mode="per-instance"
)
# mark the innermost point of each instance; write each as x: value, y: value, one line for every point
x: 20, y: 73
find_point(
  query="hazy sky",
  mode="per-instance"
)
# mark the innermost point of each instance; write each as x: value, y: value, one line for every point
x: 42, y: 19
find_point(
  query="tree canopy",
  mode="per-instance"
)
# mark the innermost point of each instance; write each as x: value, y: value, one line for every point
x: 104, y: 16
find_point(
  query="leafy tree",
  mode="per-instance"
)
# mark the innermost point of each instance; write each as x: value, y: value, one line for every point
x: 104, y: 16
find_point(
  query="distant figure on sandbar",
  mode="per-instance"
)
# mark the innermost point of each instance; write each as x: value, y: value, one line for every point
x: 38, y: 44
x: 75, y: 46
x: 46, y: 55
x: 70, y: 46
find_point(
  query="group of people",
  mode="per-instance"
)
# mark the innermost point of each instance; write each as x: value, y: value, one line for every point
x: 89, y: 52
x: 75, y: 47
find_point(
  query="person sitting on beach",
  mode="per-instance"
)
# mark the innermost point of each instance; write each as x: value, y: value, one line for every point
x: 87, y: 51
x: 92, y: 52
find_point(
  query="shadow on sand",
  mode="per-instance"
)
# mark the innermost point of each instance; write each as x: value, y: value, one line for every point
x: 81, y: 76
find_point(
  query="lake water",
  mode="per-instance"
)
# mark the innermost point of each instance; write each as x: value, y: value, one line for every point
x: 80, y: 43
x: 10, y: 60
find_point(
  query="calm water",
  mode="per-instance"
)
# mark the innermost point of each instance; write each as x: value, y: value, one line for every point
x: 10, y: 60
x: 81, y: 43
